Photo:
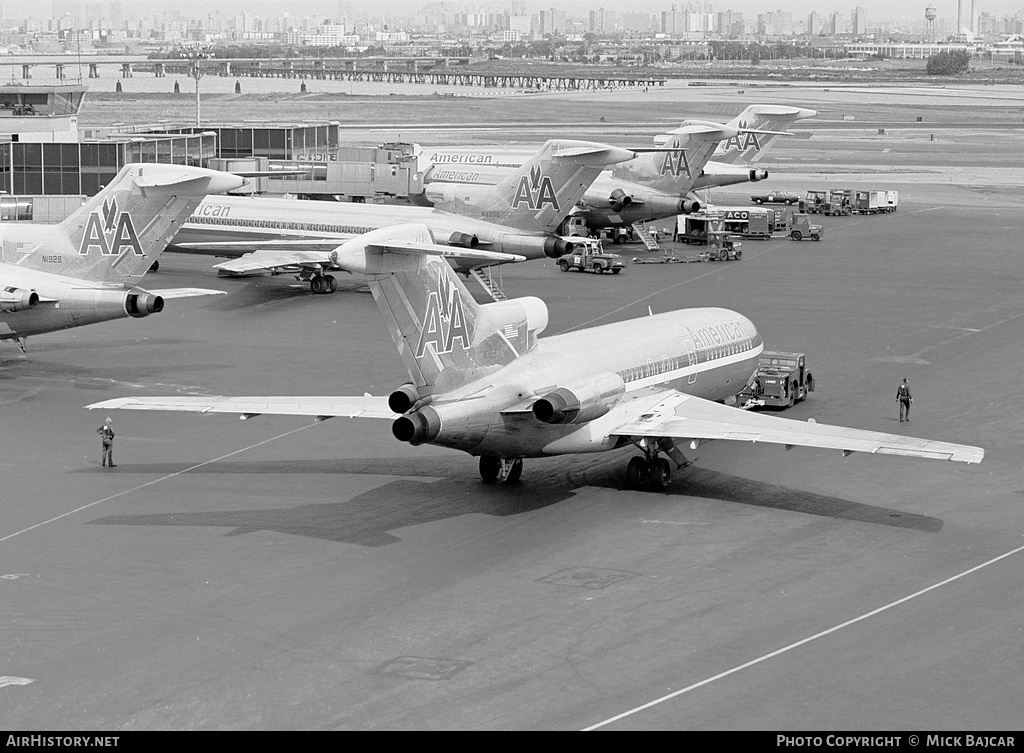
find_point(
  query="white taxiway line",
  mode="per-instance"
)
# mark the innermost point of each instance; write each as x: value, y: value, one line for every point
x: 814, y: 637
x: 150, y: 483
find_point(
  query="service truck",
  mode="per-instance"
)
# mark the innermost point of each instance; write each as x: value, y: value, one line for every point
x: 803, y: 228
x: 722, y: 246
x: 589, y: 255
x: 782, y: 379
x: 840, y: 201
x: 754, y: 222
x: 815, y: 202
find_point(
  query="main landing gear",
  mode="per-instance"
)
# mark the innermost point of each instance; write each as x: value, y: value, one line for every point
x: 323, y: 284
x: 652, y: 472
x: 493, y: 468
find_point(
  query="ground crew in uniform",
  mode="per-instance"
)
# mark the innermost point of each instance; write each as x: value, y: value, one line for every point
x: 904, y: 399
x: 106, y: 433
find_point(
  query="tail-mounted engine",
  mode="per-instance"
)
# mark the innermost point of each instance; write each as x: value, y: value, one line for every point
x: 420, y: 426
x: 17, y: 299
x: 756, y: 175
x: 619, y: 199
x: 138, y: 305
x: 580, y: 402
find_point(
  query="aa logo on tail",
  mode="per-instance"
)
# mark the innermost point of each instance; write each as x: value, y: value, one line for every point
x: 535, y: 191
x: 743, y: 140
x: 111, y: 232
x: 676, y: 164
x: 445, y: 319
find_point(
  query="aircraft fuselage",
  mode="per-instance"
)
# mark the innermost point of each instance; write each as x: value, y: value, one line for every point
x: 710, y: 353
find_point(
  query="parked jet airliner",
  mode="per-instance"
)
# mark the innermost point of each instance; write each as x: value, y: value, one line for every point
x: 514, y: 220
x: 484, y: 382
x: 86, y: 269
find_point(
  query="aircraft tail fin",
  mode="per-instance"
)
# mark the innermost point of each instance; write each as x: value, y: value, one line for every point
x: 748, y: 143
x: 680, y: 158
x: 445, y: 338
x: 117, y: 235
x: 541, y: 192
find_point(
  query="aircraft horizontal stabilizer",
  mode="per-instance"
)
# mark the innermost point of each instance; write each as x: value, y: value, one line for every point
x: 346, y: 407
x: 188, y: 181
x: 678, y: 416
x: 599, y: 154
x: 168, y: 293
x: 266, y: 260
x: 451, y: 252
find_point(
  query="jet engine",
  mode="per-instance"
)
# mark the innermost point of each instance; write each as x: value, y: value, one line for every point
x: 756, y: 175
x: 417, y: 427
x: 554, y: 246
x: 666, y: 206
x: 402, y: 399
x: 138, y: 305
x: 581, y: 402
x: 619, y: 199
x: 17, y: 299
x: 465, y: 240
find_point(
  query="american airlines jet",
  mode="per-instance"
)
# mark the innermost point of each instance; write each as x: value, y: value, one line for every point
x: 483, y: 381
x: 87, y: 268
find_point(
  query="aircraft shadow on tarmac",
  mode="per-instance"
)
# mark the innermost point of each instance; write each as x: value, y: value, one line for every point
x: 16, y: 373
x: 269, y: 290
x: 453, y: 490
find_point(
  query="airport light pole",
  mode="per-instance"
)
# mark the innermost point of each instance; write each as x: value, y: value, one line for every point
x: 195, y: 55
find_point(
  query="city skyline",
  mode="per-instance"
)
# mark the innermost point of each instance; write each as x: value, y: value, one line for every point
x: 878, y: 11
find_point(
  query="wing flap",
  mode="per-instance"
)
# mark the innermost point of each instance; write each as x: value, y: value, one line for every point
x: 341, y: 407
x: 270, y: 260
x: 170, y: 293
x: 686, y: 417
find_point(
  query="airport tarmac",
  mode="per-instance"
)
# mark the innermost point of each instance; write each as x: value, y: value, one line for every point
x: 280, y: 574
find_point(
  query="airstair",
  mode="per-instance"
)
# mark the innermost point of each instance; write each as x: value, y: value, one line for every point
x: 484, y: 276
x: 645, y: 236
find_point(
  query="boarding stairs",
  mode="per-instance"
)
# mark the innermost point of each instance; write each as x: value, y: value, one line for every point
x: 645, y: 237
x: 484, y: 276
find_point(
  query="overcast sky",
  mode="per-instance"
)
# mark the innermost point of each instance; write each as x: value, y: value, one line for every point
x: 876, y: 9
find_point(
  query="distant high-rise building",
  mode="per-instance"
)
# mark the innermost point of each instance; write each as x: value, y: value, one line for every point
x: 858, y: 22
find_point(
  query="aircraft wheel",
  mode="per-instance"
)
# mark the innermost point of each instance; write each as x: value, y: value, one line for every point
x: 659, y: 474
x: 154, y: 266
x: 515, y: 472
x: 636, y: 473
x: 317, y: 284
x: 815, y: 237
x: 796, y: 235
x: 490, y: 467
x: 332, y: 284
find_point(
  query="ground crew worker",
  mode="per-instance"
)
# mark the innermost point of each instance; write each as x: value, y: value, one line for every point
x: 106, y: 433
x: 904, y: 399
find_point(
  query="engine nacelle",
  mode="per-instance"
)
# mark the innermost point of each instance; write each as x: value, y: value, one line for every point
x: 756, y: 175
x: 138, y: 305
x: 465, y: 240
x: 666, y: 206
x: 17, y: 299
x: 417, y: 427
x: 619, y: 199
x: 555, y: 247
x: 402, y: 399
x: 581, y: 402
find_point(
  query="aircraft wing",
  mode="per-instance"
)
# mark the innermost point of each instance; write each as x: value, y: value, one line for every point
x: 248, y: 407
x: 675, y: 415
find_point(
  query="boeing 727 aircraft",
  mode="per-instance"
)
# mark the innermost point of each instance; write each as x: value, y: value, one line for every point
x: 484, y: 382
x: 87, y: 268
x: 516, y: 219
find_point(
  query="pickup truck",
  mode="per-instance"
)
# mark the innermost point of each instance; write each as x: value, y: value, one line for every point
x: 776, y: 197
